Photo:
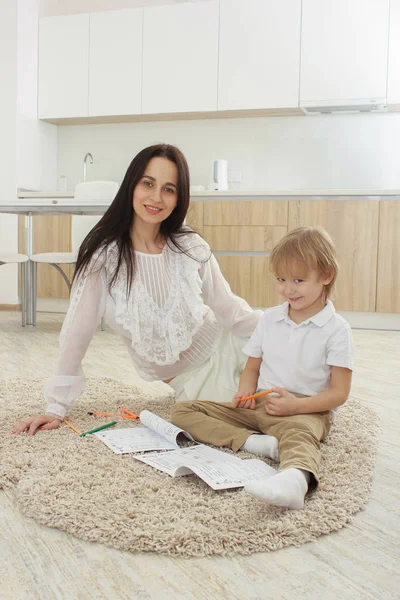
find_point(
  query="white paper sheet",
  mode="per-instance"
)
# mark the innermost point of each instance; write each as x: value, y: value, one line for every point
x: 134, y: 439
x: 156, y: 434
x: 162, y: 427
x: 219, y: 470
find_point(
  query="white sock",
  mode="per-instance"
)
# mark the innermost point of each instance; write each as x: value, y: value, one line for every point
x: 265, y: 445
x: 287, y: 488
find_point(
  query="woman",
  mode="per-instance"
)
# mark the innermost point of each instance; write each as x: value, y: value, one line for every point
x: 158, y: 286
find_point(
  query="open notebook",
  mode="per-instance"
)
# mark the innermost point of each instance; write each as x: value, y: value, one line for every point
x: 219, y: 470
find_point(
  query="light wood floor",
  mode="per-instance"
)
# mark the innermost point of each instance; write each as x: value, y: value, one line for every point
x: 359, y: 562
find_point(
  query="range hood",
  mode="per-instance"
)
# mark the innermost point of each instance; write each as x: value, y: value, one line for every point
x: 356, y: 105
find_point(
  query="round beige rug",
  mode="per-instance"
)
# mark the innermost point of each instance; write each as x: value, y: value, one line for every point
x: 80, y: 486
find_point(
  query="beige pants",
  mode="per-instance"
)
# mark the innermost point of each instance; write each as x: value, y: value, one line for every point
x: 220, y: 424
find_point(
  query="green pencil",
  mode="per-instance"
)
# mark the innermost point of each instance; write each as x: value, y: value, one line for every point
x: 98, y: 428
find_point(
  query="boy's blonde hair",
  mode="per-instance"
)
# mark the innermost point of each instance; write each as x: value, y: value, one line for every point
x: 305, y: 249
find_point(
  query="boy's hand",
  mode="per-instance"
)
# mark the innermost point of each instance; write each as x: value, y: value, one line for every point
x: 283, y: 404
x: 236, y: 402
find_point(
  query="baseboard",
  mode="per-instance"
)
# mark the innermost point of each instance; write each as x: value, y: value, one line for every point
x: 369, y: 320
x: 11, y: 307
x: 372, y: 320
x: 357, y: 320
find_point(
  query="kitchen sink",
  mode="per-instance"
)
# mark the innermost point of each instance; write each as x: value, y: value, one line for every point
x: 93, y: 191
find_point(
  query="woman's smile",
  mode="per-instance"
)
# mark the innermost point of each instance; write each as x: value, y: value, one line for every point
x: 156, y: 193
x: 152, y: 210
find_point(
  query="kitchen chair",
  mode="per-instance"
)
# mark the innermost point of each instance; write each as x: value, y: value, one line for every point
x: 19, y: 259
x: 81, y: 225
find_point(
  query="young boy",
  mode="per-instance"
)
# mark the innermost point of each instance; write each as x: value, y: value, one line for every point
x: 303, y: 351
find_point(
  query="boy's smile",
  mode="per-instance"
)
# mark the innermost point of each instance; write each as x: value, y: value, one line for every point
x: 304, y: 293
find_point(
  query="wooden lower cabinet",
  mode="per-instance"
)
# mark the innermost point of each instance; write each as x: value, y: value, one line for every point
x: 250, y: 278
x: 388, y: 286
x: 50, y: 234
x: 250, y: 226
x: 194, y: 217
x: 265, y: 213
x: 353, y: 225
x: 243, y: 238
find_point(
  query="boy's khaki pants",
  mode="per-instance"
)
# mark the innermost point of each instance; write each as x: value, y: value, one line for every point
x: 219, y: 424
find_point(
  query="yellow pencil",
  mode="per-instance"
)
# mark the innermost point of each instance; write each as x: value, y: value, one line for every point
x: 255, y: 395
x: 72, y: 427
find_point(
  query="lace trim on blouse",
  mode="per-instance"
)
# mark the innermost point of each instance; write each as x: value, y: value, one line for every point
x: 161, y: 333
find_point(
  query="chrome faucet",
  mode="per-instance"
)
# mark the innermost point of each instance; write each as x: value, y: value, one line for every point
x: 90, y: 157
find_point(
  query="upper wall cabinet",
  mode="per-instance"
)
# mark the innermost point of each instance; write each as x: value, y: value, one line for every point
x: 63, y: 66
x: 115, y: 67
x: 218, y: 55
x: 180, y: 58
x: 343, y: 50
x: 259, y: 54
x: 394, y: 54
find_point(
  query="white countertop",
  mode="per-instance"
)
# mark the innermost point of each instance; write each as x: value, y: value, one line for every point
x: 244, y: 193
x: 45, y: 194
x: 304, y: 192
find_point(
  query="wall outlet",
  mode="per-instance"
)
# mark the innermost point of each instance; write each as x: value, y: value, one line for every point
x: 234, y: 176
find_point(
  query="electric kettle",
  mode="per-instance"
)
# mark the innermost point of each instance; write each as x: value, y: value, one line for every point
x: 220, y: 175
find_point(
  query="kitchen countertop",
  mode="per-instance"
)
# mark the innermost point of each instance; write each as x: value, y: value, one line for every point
x: 45, y: 207
x: 246, y: 193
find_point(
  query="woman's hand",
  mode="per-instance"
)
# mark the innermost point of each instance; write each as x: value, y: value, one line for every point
x: 281, y: 405
x: 236, y: 402
x: 32, y: 424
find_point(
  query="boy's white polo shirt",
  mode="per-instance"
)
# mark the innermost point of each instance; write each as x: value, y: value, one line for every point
x: 296, y: 357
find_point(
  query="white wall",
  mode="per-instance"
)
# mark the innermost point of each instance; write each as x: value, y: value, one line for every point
x: 28, y: 148
x: 280, y: 153
x: 8, y: 97
x: 36, y: 141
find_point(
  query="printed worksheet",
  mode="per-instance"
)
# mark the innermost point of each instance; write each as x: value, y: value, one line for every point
x: 154, y: 433
x: 162, y: 427
x: 218, y: 469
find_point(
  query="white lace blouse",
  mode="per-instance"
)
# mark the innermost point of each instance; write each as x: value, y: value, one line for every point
x: 173, y: 317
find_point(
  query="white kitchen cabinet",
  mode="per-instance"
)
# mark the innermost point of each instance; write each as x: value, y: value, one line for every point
x: 180, y: 58
x: 259, y: 54
x: 393, y: 92
x: 344, y: 47
x: 63, y: 66
x: 115, y: 64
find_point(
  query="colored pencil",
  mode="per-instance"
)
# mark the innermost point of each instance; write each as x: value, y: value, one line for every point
x: 98, y: 428
x: 70, y: 425
x: 255, y: 395
x: 100, y: 414
x: 128, y: 412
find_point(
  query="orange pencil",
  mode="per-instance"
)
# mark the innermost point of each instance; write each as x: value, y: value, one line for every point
x: 126, y: 417
x: 128, y: 412
x: 70, y: 425
x: 255, y: 395
x: 100, y: 414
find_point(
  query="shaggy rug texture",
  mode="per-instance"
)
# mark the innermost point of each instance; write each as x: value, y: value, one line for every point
x: 82, y: 487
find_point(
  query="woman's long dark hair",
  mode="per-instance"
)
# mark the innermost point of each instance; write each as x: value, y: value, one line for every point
x: 116, y: 223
